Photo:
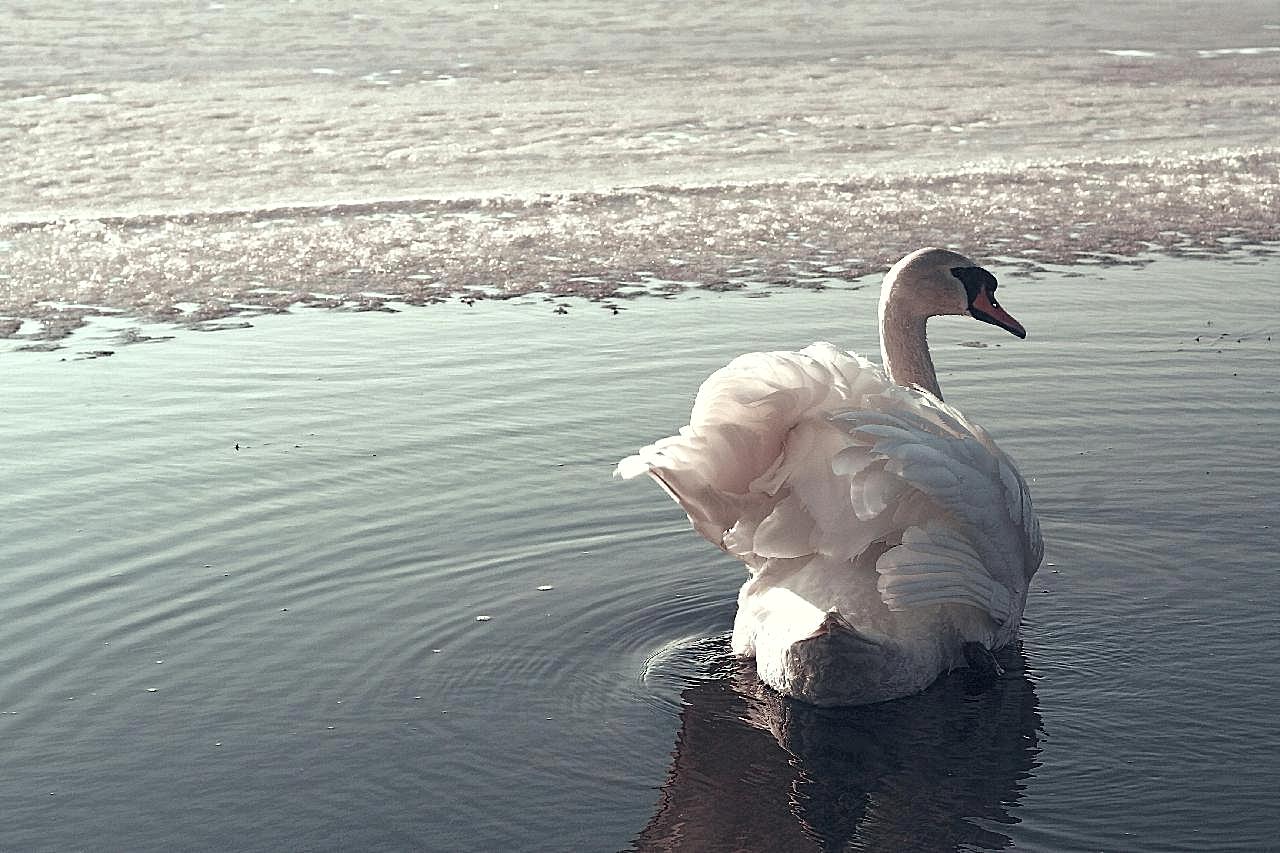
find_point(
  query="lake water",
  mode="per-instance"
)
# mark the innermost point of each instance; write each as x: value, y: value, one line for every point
x: 290, y: 534
x: 277, y: 578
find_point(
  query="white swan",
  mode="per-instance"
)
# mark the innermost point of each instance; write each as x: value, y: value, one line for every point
x: 888, y: 538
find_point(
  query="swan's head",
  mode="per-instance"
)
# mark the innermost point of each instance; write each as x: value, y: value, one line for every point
x: 929, y: 282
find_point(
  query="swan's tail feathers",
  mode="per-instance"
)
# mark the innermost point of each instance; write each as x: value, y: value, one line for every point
x: 833, y: 622
x: 936, y: 565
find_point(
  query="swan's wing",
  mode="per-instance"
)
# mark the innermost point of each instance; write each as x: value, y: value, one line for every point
x: 932, y: 565
x: 793, y: 454
x: 721, y: 466
x: 960, y: 469
x: 977, y: 542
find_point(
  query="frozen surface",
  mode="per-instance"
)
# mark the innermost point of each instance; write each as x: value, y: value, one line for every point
x: 221, y: 155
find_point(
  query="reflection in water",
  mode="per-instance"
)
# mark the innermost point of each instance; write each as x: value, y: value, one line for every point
x: 755, y: 772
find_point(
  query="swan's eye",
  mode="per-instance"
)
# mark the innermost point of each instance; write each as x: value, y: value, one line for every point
x: 976, y: 281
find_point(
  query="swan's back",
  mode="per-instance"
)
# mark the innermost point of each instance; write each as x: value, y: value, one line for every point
x: 867, y: 513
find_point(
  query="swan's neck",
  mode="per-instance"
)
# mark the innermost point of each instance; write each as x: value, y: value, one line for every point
x: 905, y: 349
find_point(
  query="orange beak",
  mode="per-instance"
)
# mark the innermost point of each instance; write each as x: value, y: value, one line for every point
x: 985, y: 308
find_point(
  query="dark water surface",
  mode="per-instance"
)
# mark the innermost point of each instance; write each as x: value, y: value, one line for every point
x: 280, y: 646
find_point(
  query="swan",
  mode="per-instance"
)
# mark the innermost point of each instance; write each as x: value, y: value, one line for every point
x: 888, y: 539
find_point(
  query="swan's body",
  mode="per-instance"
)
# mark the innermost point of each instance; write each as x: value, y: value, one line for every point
x: 884, y: 532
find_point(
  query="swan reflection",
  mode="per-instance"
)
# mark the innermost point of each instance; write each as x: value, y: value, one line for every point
x: 753, y: 771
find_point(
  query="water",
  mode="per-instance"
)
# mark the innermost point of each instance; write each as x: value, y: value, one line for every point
x: 305, y: 606
x: 248, y: 549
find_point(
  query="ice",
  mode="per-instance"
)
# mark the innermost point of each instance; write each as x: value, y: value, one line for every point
x: 623, y: 242
x: 83, y: 98
x: 1238, y: 51
x: 1131, y: 53
x: 277, y: 165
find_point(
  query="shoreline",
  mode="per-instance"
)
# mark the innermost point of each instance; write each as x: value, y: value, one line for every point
x: 201, y: 267
x: 81, y: 332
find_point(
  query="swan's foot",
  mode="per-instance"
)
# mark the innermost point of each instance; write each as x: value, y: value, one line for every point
x: 982, y: 662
